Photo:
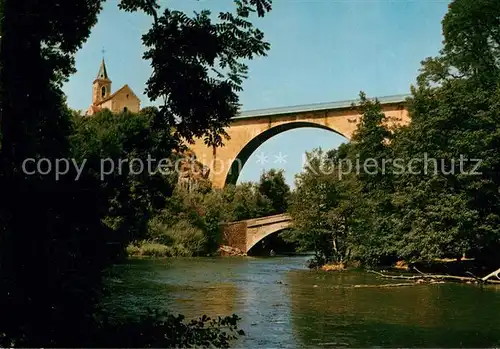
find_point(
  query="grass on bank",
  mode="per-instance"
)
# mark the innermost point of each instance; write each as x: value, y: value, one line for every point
x: 154, y: 249
x: 181, y: 239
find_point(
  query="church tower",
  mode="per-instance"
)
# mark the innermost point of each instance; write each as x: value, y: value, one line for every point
x: 121, y: 101
x: 101, y: 87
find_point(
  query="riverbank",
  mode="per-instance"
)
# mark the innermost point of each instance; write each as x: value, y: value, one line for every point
x: 153, y: 249
x: 157, y: 250
x: 465, y: 271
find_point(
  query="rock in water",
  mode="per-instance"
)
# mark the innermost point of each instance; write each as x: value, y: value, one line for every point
x: 230, y: 251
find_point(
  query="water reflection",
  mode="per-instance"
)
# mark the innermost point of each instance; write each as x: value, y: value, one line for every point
x: 328, y: 313
x: 283, y: 305
x: 265, y: 306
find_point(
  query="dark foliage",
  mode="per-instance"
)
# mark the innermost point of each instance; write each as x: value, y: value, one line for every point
x: 163, y: 330
x: 52, y: 237
x: 272, y: 185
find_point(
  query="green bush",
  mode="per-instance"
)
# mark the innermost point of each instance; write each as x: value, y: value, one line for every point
x: 189, y: 239
x: 149, y: 249
x: 133, y: 250
x: 155, y: 250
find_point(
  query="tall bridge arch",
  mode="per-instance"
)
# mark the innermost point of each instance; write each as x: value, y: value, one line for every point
x: 249, y: 130
x: 245, y: 153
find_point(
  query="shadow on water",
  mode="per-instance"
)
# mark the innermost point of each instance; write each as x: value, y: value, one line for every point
x: 332, y: 314
x: 284, y: 305
x: 165, y: 284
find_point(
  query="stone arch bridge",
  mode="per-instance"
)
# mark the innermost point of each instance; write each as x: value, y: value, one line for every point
x: 244, y: 235
x: 249, y: 130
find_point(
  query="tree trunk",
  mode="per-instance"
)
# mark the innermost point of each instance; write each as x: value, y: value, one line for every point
x: 495, y: 273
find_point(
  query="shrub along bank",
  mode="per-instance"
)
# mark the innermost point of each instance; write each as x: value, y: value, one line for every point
x: 190, y: 222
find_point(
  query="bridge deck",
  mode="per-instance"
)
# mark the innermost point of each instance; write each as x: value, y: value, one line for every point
x: 257, y: 222
x: 316, y: 107
x: 259, y: 219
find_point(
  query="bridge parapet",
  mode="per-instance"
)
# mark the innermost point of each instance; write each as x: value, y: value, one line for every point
x: 267, y: 220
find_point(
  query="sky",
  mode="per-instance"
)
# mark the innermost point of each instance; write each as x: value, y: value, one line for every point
x: 321, y: 51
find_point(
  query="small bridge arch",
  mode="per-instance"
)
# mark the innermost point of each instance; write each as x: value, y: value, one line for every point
x: 244, y: 235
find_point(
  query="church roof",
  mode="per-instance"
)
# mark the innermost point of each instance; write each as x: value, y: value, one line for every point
x: 103, y: 73
x: 116, y: 92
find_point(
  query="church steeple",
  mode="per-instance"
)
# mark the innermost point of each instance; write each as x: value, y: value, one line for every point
x: 103, y: 73
x: 101, y: 88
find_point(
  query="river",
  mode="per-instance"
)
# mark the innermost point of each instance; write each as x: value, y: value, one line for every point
x: 284, y: 305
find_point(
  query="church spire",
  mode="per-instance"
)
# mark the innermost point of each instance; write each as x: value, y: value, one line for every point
x: 101, y: 87
x: 102, y: 74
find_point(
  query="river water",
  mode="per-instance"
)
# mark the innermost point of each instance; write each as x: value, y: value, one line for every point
x: 284, y: 305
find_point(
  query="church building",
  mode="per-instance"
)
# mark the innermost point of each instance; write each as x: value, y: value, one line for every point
x: 124, y: 99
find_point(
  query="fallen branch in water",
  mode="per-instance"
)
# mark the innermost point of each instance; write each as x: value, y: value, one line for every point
x: 495, y: 274
x: 376, y: 286
x: 380, y: 285
x: 432, y: 277
x: 393, y: 285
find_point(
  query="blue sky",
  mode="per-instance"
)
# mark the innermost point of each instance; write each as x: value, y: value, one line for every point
x: 321, y: 51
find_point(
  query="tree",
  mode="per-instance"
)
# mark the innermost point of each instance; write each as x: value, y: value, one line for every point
x: 318, y: 211
x: 432, y: 199
x: 123, y: 153
x: 245, y: 201
x: 341, y: 205
x: 202, y: 73
x: 371, y: 184
x: 52, y: 237
x: 447, y: 209
x: 272, y: 184
x: 471, y: 47
x: 51, y: 254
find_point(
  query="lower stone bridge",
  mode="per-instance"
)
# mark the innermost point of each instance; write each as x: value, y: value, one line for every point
x: 244, y: 235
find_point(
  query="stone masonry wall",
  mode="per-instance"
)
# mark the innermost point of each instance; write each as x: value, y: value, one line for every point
x: 235, y: 235
x: 123, y: 99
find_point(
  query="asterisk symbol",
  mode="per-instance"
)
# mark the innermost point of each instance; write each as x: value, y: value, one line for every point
x: 261, y: 158
x: 280, y: 158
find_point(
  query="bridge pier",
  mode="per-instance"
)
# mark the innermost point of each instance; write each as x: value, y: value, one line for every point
x: 234, y: 235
